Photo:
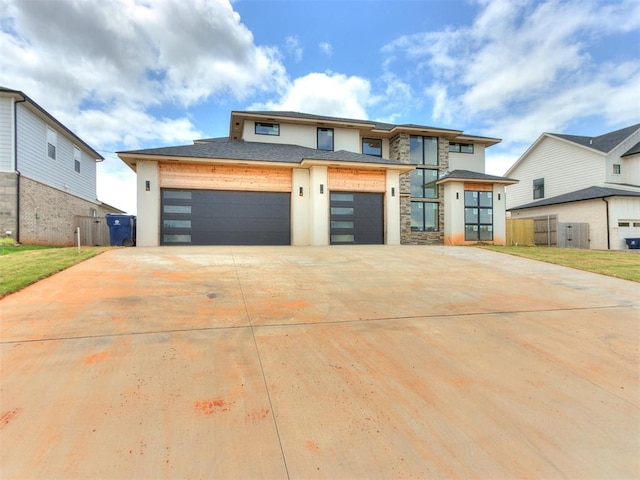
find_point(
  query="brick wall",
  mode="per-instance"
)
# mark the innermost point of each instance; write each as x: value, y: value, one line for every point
x: 47, y: 215
x: 399, y: 150
x: 8, y: 192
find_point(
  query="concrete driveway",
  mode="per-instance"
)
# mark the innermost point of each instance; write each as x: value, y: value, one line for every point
x: 320, y: 362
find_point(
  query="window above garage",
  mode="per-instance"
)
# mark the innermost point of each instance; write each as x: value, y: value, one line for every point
x: 267, y: 129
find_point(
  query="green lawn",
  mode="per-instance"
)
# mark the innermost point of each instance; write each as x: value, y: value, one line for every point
x: 24, y: 265
x: 620, y: 264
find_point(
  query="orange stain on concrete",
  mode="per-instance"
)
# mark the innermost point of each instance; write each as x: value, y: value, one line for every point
x: 258, y: 414
x: 212, y: 405
x: 312, y: 447
x: 7, y: 416
x: 95, y: 357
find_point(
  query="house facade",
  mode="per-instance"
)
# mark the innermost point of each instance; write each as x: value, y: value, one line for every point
x: 302, y: 179
x: 593, y: 182
x: 47, y: 175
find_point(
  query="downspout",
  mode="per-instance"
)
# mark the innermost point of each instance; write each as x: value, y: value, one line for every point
x: 15, y: 164
x: 608, y: 228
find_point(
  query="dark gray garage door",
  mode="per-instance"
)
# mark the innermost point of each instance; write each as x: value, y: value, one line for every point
x: 206, y: 217
x: 357, y: 218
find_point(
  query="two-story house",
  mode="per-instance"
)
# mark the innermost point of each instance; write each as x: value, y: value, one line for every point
x: 582, y: 180
x: 293, y: 178
x: 47, y: 175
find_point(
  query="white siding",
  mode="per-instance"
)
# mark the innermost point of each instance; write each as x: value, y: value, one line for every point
x: 473, y: 162
x: 34, y: 163
x: 6, y: 134
x: 565, y: 168
x: 630, y: 173
x: 630, y: 170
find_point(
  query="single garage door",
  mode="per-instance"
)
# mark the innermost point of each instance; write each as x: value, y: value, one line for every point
x: 357, y: 218
x: 208, y: 217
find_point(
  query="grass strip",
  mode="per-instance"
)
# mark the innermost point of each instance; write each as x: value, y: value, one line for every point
x: 614, y: 263
x: 19, y: 269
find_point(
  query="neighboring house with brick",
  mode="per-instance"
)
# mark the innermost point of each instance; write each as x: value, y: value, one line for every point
x: 293, y: 178
x: 47, y: 175
x: 585, y: 183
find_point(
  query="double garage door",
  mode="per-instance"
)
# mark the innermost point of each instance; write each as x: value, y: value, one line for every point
x: 213, y: 217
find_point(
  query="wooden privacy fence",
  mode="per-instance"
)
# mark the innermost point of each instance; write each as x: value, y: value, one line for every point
x: 532, y: 231
x: 94, y: 231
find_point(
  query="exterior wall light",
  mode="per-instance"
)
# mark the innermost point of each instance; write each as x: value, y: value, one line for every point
x: 147, y: 185
x: 301, y: 192
x: 393, y: 191
x: 321, y: 188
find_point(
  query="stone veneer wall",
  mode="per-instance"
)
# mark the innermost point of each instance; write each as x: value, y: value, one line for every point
x: 399, y: 150
x: 8, y: 192
x: 47, y: 215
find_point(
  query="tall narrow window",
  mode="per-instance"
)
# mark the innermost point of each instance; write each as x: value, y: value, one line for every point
x: 538, y: 188
x: 77, y: 156
x: 325, y: 139
x: 616, y: 169
x: 52, y: 142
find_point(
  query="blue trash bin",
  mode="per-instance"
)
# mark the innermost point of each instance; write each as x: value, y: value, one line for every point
x: 122, y: 229
x: 633, y: 243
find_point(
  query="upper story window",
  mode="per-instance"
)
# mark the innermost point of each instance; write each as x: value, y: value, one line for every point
x: 325, y: 139
x: 423, y: 150
x: 77, y: 156
x: 52, y: 142
x: 372, y: 146
x: 267, y: 128
x: 616, y: 169
x: 538, y: 188
x: 461, y: 147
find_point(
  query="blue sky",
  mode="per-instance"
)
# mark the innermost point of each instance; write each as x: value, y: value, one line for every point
x: 128, y: 74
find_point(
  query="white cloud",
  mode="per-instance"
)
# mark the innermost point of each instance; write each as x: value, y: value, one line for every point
x: 330, y: 94
x: 527, y: 66
x: 293, y: 48
x: 326, y: 48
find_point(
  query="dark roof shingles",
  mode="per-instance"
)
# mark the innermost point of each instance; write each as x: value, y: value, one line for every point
x: 590, y: 193
x: 603, y: 143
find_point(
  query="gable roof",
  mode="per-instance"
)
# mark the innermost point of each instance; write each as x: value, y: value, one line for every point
x: 632, y: 151
x: 50, y: 117
x: 590, y: 193
x: 225, y: 149
x: 603, y: 143
x: 475, y: 176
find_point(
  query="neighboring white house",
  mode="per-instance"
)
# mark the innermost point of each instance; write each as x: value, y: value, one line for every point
x: 302, y: 179
x: 47, y: 175
x: 582, y: 180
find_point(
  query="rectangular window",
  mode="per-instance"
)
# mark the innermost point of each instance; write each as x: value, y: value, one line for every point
x: 461, y: 147
x: 52, y: 142
x: 176, y: 194
x: 77, y: 156
x: 372, y: 146
x: 325, y: 139
x: 177, y: 238
x: 538, y: 188
x: 424, y: 216
x: 616, y: 169
x: 624, y: 224
x: 267, y: 129
x: 423, y: 150
x: 185, y: 209
x: 423, y: 183
x: 478, y: 216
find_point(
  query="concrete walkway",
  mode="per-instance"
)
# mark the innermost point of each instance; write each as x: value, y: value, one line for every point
x: 320, y: 362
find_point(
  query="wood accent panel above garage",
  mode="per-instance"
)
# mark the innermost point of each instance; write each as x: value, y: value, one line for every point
x: 223, y: 177
x: 352, y: 180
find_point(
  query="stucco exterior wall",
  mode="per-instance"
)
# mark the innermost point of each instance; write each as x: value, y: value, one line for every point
x: 148, y: 221
x: 474, y: 162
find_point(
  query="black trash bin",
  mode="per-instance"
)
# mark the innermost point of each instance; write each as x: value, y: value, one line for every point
x: 122, y: 229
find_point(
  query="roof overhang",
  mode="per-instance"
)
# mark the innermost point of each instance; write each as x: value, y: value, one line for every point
x: 506, y: 181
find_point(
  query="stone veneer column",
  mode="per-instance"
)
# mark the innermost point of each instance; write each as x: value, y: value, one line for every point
x: 399, y: 150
